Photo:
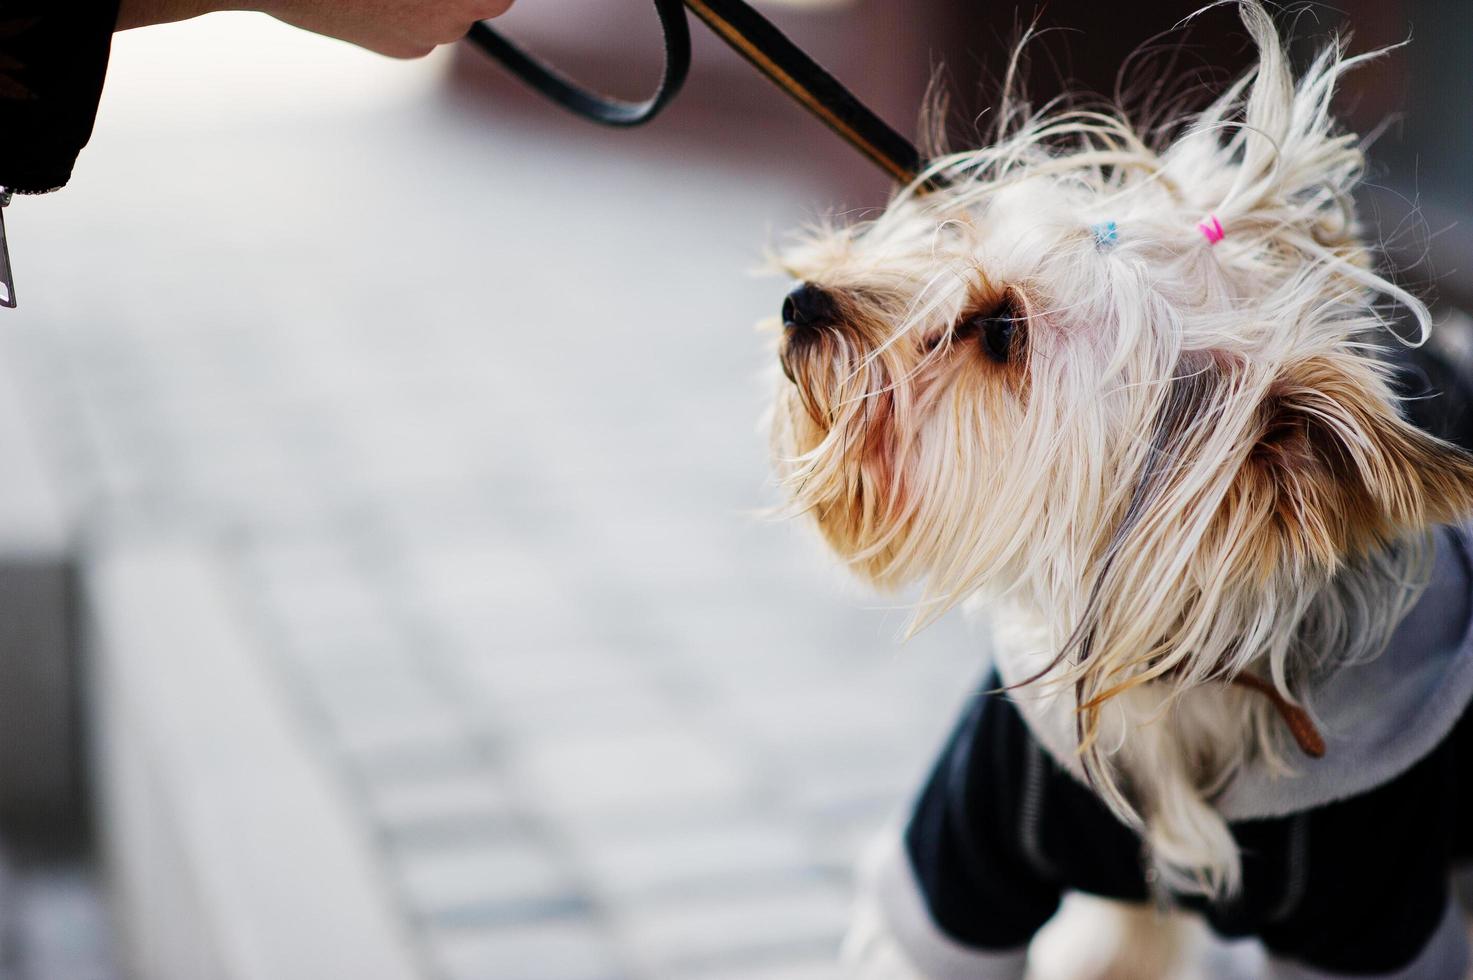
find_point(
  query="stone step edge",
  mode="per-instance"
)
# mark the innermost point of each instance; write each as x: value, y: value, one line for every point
x: 229, y: 850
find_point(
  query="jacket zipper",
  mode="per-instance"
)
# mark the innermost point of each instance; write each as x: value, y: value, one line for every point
x: 1030, y: 813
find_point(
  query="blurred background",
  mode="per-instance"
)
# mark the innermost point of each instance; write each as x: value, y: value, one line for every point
x: 384, y: 588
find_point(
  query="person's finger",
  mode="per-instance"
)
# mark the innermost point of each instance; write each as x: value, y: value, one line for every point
x: 404, y: 50
x: 487, y: 9
x: 450, y: 32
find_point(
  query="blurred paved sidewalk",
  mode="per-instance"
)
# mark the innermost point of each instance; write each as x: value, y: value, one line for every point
x: 465, y: 403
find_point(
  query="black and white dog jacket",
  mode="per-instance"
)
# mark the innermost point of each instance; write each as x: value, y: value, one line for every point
x: 1346, y: 867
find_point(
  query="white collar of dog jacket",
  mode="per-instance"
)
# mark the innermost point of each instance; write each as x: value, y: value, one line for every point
x: 1381, y: 717
x: 1378, y: 719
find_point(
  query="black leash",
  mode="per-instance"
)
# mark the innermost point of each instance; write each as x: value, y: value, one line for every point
x: 571, y: 96
x: 755, y: 38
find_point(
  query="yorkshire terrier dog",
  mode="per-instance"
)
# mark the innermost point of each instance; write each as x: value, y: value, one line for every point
x: 1129, y: 391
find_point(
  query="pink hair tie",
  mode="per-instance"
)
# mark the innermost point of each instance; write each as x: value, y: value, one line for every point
x: 1211, y: 229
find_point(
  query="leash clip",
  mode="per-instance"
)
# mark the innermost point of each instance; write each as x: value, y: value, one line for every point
x: 7, y: 279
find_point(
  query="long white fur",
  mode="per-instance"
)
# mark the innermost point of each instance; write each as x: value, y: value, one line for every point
x: 1088, y: 504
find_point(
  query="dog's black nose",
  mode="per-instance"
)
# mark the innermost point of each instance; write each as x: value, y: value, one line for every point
x: 809, y: 306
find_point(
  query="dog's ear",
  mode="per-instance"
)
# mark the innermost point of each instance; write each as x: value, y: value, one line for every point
x: 1338, y: 472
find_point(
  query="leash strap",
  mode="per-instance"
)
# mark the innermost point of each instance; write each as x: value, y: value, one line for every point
x: 576, y: 99
x: 752, y: 36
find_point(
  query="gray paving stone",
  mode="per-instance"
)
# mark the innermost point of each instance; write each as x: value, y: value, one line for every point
x: 448, y: 802
x: 507, y: 879
x: 846, y: 789
x: 328, y: 607
x: 569, y: 949
x: 528, y: 695
x: 448, y: 580
x: 369, y: 702
x: 405, y: 743
x: 726, y: 856
x: 659, y: 770
x: 611, y: 711
x: 799, y: 967
x: 844, y: 718
x: 350, y: 660
x: 797, y: 923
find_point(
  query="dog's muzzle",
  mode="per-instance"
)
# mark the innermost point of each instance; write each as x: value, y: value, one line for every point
x: 807, y: 312
x: 808, y: 307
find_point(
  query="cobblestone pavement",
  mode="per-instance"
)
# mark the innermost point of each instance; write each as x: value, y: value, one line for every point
x: 468, y: 403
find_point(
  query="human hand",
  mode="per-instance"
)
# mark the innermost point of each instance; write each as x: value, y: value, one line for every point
x: 397, y: 28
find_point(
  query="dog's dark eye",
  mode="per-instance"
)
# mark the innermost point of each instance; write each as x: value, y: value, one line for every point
x: 999, y: 331
x: 997, y: 337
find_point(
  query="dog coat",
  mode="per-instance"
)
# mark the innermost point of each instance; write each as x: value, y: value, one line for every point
x: 1346, y: 867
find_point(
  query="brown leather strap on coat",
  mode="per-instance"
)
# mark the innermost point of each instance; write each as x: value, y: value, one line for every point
x: 1300, y: 725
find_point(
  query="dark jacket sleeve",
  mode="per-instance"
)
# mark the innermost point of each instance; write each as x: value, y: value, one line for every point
x: 53, y: 56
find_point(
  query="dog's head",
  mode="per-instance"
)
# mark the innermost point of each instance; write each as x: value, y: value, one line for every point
x: 1128, y: 382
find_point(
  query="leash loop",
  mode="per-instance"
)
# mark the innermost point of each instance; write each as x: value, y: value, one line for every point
x: 583, y: 102
x: 752, y: 36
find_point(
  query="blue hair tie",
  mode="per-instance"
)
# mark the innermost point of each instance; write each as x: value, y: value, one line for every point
x: 1106, y: 236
